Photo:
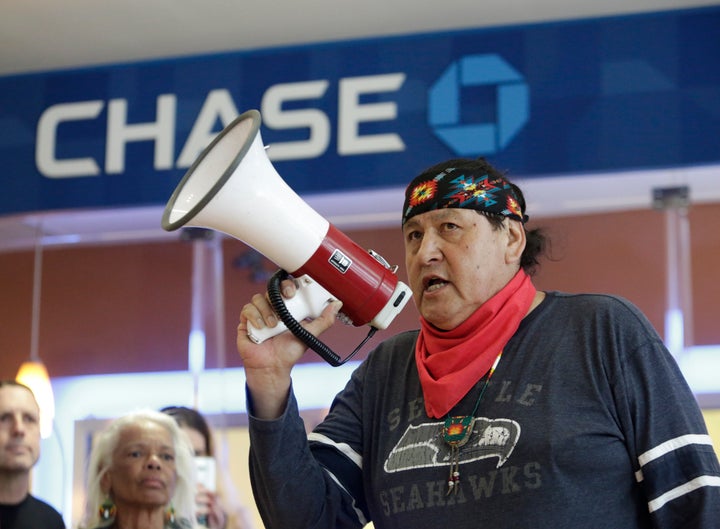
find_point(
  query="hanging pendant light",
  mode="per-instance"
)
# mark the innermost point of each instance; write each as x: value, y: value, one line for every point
x: 33, y: 373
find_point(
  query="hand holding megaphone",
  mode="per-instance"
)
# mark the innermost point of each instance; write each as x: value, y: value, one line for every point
x: 232, y: 187
x: 308, y: 302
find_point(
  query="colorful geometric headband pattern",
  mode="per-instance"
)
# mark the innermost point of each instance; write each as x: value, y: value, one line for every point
x: 484, y: 193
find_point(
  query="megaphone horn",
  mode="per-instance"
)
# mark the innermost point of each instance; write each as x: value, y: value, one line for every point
x: 233, y: 188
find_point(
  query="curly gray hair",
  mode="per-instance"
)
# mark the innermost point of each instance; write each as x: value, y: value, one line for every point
x: 100, y: 461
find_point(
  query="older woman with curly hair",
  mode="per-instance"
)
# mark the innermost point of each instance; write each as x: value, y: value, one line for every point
x: 141, y: 475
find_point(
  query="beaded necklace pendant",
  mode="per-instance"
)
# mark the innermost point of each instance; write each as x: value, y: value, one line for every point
x: 456, y: 432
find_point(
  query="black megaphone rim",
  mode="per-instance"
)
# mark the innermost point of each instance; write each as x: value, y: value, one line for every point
x: 167, y: 225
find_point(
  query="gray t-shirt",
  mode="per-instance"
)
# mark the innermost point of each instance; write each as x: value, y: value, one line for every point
x: 586, y: 423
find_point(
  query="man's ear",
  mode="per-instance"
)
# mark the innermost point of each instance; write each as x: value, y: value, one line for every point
x: 516, y: 241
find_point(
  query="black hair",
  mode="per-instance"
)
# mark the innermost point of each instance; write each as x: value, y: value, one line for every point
x: 191, y: 419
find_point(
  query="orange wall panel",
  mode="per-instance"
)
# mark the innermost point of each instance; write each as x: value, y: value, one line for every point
x: 127, y: 308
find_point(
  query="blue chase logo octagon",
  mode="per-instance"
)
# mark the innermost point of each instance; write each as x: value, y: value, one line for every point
x: 511, y: 105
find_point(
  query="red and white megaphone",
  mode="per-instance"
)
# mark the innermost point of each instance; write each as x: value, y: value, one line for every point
x: 233, y: 188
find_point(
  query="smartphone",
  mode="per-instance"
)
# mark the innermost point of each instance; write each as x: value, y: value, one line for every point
x: 206, y: 472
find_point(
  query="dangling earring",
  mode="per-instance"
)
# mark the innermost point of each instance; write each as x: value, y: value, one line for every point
x: 170, y: 516
x: 107, y: 510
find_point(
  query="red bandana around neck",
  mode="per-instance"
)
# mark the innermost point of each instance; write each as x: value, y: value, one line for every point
x: 451, y: 362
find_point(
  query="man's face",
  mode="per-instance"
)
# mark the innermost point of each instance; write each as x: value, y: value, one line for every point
x: 19, y: 429
x: 143, y: 472
x: 456, y: 261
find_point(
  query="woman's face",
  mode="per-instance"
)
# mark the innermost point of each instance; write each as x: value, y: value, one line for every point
x: 143, y: 473
x: 197, y: 440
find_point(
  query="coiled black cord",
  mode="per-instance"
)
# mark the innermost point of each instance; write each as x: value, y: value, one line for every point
x: 278, y: 304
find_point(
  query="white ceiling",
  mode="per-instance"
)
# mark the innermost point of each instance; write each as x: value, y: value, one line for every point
x: 42, y: 35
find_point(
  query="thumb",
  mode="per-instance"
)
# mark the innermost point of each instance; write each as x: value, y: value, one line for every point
x: 326, y: 319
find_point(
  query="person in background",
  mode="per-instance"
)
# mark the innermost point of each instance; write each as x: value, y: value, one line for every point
x: 214, y: 510
x: 509, y: 408
x: 141, y: 475
x: 19, y: 452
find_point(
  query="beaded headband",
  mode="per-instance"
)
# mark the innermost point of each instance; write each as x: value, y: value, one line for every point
x: 462, y: 188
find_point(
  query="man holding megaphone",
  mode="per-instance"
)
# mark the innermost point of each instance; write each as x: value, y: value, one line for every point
x: 232, y: 187
x: 508, y: 408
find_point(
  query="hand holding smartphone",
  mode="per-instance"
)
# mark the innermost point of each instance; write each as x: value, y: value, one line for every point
x: 205, y: 469
x: 206, y: 472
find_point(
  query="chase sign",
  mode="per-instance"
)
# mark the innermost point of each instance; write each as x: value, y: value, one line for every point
x: 557, y: 99
x: 512, y: 103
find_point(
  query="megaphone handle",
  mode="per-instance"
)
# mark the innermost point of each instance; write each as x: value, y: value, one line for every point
x: 292, y: 323
x: 308, y: 302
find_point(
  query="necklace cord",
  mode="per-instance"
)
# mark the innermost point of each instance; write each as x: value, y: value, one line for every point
x: 487, y: 381
x: 457, y: 430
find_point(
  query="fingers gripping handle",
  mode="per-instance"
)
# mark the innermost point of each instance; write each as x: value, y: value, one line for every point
x: 308, y: 302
